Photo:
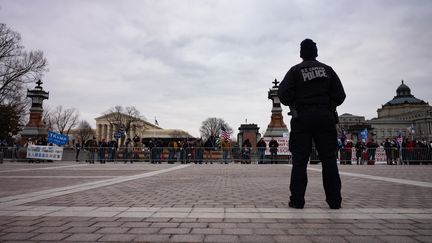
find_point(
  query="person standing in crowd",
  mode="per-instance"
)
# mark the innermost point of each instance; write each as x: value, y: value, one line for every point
x: 246, y: 151
x: 112, y: 148
x: 177, y: 146
x: 42, y: 141
x: 371, y: 150
x: 388, y: 151
x: 430, y: 150
x: 261, y: 148
x: 128, y: 151
x: 171, y: 151
x: 151, y: 146
x: 159, y: 150
x: 3, y: 148
x: 92, y: 146
x: 410, y: 150
x: 192, y: 149
x: 184, y: 151
x: 102, y: 151
x: 395, y: 150
x: 29, y: 143
x: 77, y: 150
x: 137, y: 148
x: 313, y: 91
x: 209, y: 145
x: 226, y: 147
x: 347, y: 152
x: 199, y: 151
x: 359, y: 147
x: 273, y: 145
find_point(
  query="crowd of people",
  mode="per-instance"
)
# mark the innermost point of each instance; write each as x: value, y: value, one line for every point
x: 176, y: 150
x: 407, y: 151
x: 195, y: 150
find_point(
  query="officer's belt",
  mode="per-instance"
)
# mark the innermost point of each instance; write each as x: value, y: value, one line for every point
x: 312, y: 107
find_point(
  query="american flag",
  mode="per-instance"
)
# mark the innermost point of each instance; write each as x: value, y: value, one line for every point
x: 224, y: 134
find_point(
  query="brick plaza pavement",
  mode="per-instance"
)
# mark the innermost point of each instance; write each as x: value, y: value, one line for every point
x: 72, y: 202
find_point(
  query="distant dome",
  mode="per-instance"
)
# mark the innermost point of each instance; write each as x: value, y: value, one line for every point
x: 404, y: 96
x: 403, y: 90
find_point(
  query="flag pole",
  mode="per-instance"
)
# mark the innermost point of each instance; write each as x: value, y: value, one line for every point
x: 154, y: 129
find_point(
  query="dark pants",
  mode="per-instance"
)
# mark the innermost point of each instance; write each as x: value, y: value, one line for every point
x: 317, y: 125
x: 77, y: 155
x: 273, y: 156
x: 388, y: 152
x: 371, y: 154
x: 199, y: 155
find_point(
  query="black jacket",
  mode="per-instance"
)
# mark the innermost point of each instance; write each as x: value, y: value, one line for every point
x: 311, y: 83
x: 261, y: 144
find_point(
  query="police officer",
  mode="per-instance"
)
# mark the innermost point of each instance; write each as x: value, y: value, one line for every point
x: 313, y: 90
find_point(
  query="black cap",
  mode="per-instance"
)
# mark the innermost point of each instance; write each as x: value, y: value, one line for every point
x: 308, y: 49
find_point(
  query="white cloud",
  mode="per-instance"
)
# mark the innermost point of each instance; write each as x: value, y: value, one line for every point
x: 184, y: 61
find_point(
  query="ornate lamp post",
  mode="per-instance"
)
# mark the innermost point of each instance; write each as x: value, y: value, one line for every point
x: 35, y: 127
x: 277, y: 127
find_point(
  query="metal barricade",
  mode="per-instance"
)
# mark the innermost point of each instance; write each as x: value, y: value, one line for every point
x: 202, y: 155
x: 8, y: 154
x: 417, y: 155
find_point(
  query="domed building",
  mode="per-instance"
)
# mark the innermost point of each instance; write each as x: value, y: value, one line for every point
x: 404, y: 114
x: 403, y: 102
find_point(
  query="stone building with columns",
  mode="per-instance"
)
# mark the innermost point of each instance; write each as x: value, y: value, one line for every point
x: 396, y: 116
x: 106, y: 127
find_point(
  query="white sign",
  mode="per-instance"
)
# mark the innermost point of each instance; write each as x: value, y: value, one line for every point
x: 44, y: 152
x: 283, y: 145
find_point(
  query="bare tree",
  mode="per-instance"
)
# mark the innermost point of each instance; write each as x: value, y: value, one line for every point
x: 85, y: 132
x: 9, y: 122
x: 17, y: 100
x: 17, y: 67
x: 212, y: 127
x: 46, y: 116
x: 64, y: 120
x: 123, y: 119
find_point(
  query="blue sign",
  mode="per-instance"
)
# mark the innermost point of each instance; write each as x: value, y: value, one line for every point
x: 57, y: 138
x: 364, y: 134
x: 118, y: 134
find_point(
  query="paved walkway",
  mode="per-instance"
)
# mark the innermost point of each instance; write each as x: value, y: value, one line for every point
x: 66, y: 201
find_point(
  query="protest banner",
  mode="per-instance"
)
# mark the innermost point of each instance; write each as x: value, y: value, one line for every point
x: 44, y: 152
x: 283, y: 145
x: 57, y: 138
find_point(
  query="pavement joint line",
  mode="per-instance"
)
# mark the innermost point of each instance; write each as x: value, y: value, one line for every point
x: 45, y: 168
x: 45, y: 194
x: 55, y: 177
x: 381, y: 178
x: 260, y: 213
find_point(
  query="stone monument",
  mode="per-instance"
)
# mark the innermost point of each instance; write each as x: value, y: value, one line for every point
x: 35, y: 127
x: 277, y: 127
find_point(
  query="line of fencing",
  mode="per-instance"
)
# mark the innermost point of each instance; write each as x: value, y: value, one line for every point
x: 218, y: 155
x: 157, y: 155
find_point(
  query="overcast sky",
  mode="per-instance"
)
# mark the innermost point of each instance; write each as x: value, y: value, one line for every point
x: 184, y: 61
